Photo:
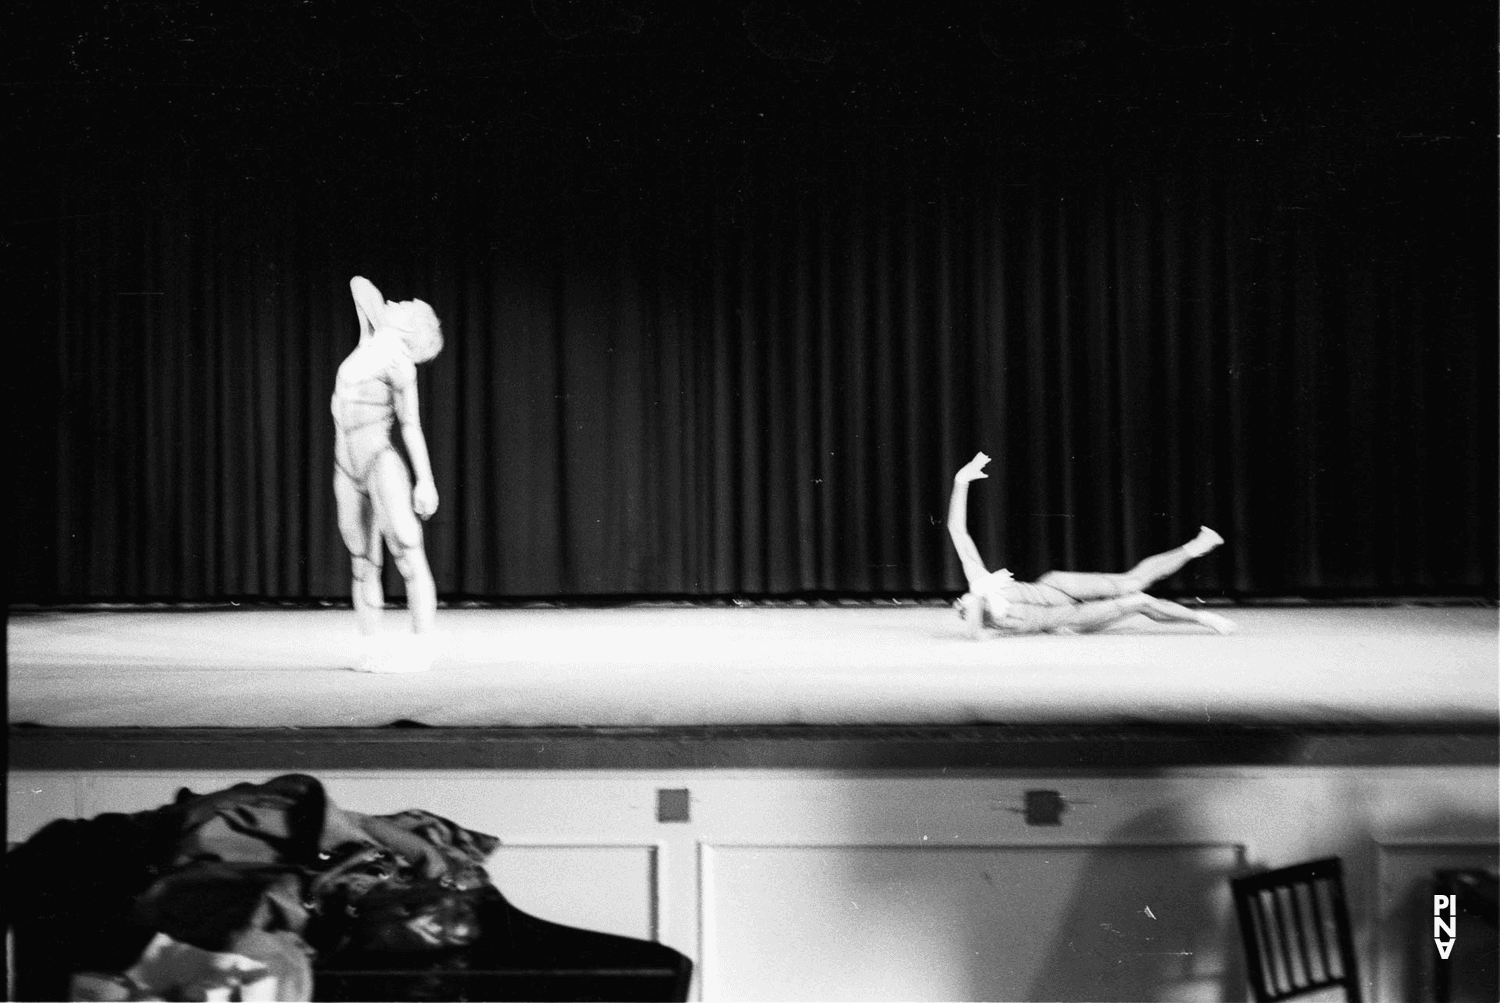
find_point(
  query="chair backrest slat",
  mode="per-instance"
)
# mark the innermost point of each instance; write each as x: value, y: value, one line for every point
x: 1258, y: 951
x: 1317, y: 948
x: 1330, y: 928
x: 1291, y: 922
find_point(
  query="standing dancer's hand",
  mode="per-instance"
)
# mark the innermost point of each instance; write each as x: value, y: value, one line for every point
x: 973, y: 470
x: 424, y: 499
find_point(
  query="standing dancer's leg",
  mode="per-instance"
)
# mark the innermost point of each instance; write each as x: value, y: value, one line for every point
x: 391, y: 489
x: 357, y: 527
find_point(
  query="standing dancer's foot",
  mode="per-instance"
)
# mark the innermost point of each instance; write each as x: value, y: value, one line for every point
x: 1205, y: 541
x: 367, y: 652
x: 396, y: 654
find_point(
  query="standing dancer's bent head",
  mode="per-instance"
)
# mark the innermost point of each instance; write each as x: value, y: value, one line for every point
x: 415, y: 323
x: 1065, y: 601
x: 379, y: 506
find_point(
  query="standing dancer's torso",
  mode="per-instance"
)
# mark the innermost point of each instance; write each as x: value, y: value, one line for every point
x: 364, y: 405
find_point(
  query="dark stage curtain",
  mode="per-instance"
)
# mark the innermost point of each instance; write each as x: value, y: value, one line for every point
x: 748, y: 378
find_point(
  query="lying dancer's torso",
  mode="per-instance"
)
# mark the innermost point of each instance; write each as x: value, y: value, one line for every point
x: 1030, y: 608
x: 364, y: 408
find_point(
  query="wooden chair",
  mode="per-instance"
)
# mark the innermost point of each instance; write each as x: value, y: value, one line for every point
x: 1295, y: 928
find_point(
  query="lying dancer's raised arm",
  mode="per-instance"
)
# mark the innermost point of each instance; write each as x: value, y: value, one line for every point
x: 958, y: 524
x: 369, y: 304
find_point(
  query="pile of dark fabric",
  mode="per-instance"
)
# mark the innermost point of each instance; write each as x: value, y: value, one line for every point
x: 270, y: 891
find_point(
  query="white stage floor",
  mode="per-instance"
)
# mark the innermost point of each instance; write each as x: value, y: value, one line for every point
x: 675, y: 665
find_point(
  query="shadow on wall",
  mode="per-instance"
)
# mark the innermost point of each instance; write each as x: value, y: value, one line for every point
x: 1135, y: 921
x: 1148, y: 917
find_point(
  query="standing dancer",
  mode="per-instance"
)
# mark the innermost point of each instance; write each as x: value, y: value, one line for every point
x: 1065, y: 601
x: 376, y: 386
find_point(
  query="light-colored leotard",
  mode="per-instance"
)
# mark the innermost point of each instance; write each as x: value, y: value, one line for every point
x: 1030, y: 607
x: 364, y: 409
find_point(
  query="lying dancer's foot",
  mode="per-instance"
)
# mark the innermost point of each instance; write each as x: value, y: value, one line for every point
x: 1218, y: 624
x: 1205, y: 541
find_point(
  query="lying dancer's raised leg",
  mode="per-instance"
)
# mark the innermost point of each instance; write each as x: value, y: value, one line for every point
x: 1158, y: 566
x: 1085, y: 586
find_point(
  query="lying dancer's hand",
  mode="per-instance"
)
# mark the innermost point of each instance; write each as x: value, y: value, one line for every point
x: 973, y: 470
x: 424, y: 499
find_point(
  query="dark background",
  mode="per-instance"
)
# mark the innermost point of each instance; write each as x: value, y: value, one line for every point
x: 730, y: 290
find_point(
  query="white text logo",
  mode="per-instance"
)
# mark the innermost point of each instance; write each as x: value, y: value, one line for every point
x: 1444, y: 927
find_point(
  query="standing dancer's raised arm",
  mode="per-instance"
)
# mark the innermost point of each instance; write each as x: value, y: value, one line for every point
x: 369, y: 304
x: 958, y: 528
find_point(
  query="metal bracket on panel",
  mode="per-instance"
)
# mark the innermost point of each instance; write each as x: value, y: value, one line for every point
x: 1044, y: 808
x: 672, y: 804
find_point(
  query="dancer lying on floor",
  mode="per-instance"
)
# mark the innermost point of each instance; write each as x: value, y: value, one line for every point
x: 1065, y: 601
x: 377, y: 386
